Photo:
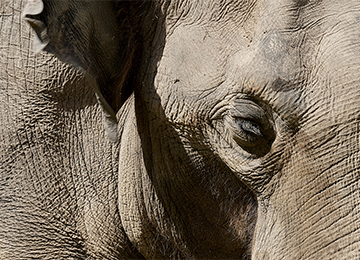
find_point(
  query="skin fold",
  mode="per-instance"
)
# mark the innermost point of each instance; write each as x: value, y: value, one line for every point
x: 218, y: 129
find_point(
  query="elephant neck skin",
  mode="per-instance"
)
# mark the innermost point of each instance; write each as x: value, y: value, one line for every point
x: 180, y: 207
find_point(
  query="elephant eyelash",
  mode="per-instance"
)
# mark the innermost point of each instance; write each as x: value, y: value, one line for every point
x: 248, y: 125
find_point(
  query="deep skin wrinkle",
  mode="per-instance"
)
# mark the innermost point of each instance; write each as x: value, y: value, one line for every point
x: 236, y: 130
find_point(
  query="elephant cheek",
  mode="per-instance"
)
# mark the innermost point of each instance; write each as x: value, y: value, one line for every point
x: 312, y: 214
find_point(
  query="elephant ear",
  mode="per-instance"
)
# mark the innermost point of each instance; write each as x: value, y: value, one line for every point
x: 97, y: 36
x: 32, y: 9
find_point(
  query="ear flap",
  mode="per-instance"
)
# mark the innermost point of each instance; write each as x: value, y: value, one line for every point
x: 32, y: 9
x: 97, y: 36
x: 109, y: 117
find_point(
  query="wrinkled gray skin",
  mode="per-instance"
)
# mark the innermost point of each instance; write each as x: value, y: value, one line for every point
x: 236, y: 132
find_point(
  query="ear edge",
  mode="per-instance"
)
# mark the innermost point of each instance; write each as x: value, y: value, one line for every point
x: 32, y: 9
x: 109, y: 116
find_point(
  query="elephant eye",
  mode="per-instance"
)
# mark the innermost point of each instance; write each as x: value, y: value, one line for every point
x: 250, y: 127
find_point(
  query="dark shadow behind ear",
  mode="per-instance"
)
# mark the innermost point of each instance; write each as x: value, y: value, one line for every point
x: 100, y: 37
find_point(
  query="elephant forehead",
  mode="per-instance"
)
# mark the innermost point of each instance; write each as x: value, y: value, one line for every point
x: 248, y: 50
x: 192, y: 58
x: 196, y: 52
x: 204, y: 11
x: 191, y: 74
x: 206, y: 59
x: 332, y: 91
x: 200, y: 39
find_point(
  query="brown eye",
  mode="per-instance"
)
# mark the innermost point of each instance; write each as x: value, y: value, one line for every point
x: 251, y: 127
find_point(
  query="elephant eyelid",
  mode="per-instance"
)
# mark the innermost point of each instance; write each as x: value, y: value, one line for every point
x: 245, y: 132
x: 250, y: 126
x: 248, y: 109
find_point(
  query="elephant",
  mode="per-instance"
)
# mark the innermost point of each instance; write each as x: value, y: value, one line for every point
x: 175, y: 129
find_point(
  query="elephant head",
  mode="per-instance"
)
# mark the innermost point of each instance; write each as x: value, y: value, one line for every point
x: 238, y: 120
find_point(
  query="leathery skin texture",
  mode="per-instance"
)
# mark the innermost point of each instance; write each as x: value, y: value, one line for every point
x: 163, y: 129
